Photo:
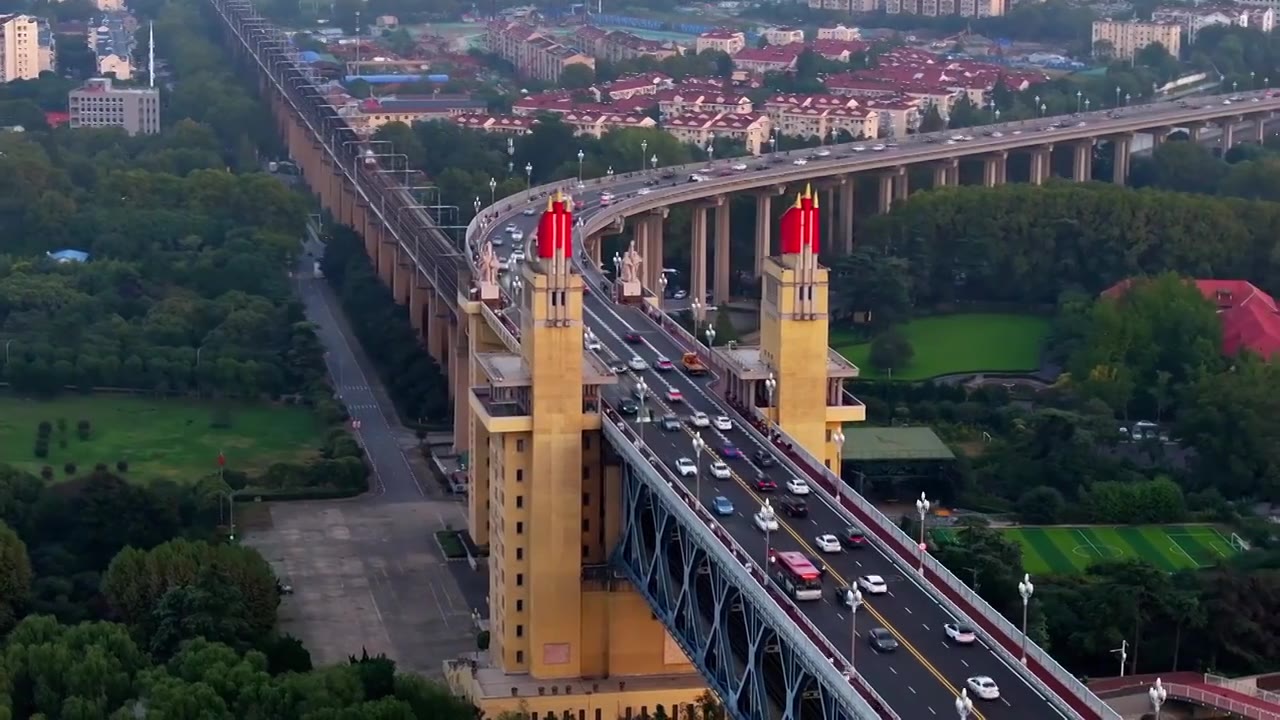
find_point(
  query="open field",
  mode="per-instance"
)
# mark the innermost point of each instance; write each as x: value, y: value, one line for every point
x: 160, y: 438
x: 1059, y: 549
x: 967, y: 342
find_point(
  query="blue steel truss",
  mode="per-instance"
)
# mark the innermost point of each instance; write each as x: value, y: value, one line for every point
x: 752, y: 653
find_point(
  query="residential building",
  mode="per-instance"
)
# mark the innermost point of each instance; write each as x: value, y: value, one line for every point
x: 783, y: 36
x: 839, y: 32
x: 367, y: 115
x: 533, y: 54
x: 679, y: 101
x: 586, y: 123
x: 768, y: 59
x: 627, y: 87
x: 26, y: 47
x: 1250, y: 317
x: 725, y: 41
x: 110, y: 5
x: 97, y: 104
x: 618, y: 45
x: 701, y: 128
x: 822, y: 116
x: 838, y: 50
x: 112, y: 43
x: 850, y: 7
x: 1194, y: 19
x: 503, y: 124
x: 1127, y: 37
x: 940, y: 8
x: 896, y: 116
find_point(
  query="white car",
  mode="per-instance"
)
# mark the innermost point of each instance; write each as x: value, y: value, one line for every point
x: 997, y: 134
x: 796, y: 486
x: 637, y: 363
x: 799, y: 161
x: 823, y: 152
x: 699, y: 419
x: 878, y: 148
x: 686, y: 467
x: 738, y: 167
x: 859, y: 148
x: 517, y: 236
x: 529, y: 212
x: 723, y: 423
x: 828, y: 543
x: 959, y: 634
x: 517, y: 255
x: 644, y: 191
x: 720, y: 471
x: 873, y: 585
x: 592, y: 342
x: 766, y: 521
x: 512, y: 228
x: 984, y: 687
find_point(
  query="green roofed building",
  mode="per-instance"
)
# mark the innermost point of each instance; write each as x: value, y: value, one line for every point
x: 897, y: 463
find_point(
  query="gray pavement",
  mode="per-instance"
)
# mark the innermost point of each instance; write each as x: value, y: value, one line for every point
x: 367, y: 572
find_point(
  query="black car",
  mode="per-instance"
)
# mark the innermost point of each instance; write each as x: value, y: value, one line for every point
x: 628, y: 407
x: 670, y: 422
x: 882, y: 640
x: 853, y: 537
x: 794, y: 507
x: 668, y: 174
x: 762, y: 459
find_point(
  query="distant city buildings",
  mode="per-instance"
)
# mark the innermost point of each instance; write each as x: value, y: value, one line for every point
x: 927, y: 8
x: 1194, y: 19
x: 1124, y: 38
x: 533, y: 53
x: 99, y: 104
x: 26, y: 47
x: 113, y: 44
x: 725, y: 41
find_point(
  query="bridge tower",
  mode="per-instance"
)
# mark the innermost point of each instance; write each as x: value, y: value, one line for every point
x: 567, y: 634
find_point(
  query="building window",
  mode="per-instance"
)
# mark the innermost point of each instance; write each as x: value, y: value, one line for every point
x: 519, y: 475
x: 519, y: 656
x: 519, y: 528
x: 519, y: 606
x: 519, y: 445
x: 519, y: 501
x: 586, y: 525
x: 519, y: 553
x: 586, y: 498
x: 519, y: 631
x: 519, y: 579
x: 585, y: 551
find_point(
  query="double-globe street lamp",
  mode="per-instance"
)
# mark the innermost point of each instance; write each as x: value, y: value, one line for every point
x: 698, y: 446
x: 922, y: 507
x: 964, y: 704
x: 1025, y: 591
x: 854, y: 597
x: 1158, y: 695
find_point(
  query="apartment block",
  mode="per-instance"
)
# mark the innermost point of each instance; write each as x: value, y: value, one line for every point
x: 849, y: 6
x: 839, y: 33
x: 941, y: 8
x: 1127, y: 37
x: 26, y: 47
x: 783, y: 35
x: 618, y: 45
x: 821, y: 116
x: 701, y: 128
x: 97, y: 104
x: 533, y: 54
x: 370, y: 114
x: 112, y: 43
x: 725, y: 41
x: 1195, y: 19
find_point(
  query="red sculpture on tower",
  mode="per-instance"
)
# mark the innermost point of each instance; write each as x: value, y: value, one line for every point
x: 799, y: 228
x: 555, y: 229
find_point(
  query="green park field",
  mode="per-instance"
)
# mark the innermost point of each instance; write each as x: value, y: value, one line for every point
x: 1061, y: 550
x: 967, y: 342
x: 177, y: 439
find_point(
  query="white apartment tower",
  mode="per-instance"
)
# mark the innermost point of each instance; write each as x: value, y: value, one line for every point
x: 26, y: 47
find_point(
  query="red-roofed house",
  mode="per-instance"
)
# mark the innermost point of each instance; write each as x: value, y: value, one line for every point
x: 1250, y: 317
x: 725, y: 41
x: 504, y: 124
x: 700, y: 128
x: 820, y: 116
x: 681, y: 101
x: 779, y: 58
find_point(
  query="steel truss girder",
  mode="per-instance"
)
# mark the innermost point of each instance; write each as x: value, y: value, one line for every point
x: 751, y: 653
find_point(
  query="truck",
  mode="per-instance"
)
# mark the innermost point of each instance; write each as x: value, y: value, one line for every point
x: 692, y: 365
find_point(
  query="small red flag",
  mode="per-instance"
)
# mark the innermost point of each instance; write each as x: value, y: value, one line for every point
x: 222, y: 459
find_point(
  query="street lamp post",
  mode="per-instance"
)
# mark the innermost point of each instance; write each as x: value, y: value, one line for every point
x: 854, y: 597
x: 654, y: 161
x: 964, y: 705
x: 511, y: 154
x: 644, y: 150
x: 1079, y: 99
x: 837, y: 439
x: 662, y: 288
x: 1123, y: 653
x: 9, y: 342
x: 581, y: 155
x: 1086, y: 104
x: 1158, y: 695
x: 528, y: 174
x: 711, y: 336
x: 609, y: 172
x: 493, y: 191
x: 1025, y: 590
x: 642, y: 392
x: 1117, y: 96
x: 922, y: 507
x: 770, y: 387
x: 698, y: 446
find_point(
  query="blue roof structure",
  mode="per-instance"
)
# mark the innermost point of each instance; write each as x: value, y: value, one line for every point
x: 68, y: 256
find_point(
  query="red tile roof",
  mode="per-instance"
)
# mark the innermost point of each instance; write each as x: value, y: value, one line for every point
x: 1250, y: 317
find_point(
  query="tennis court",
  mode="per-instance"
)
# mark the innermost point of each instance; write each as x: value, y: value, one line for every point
x: 1168, y: 547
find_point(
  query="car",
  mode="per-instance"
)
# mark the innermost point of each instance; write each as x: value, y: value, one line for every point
x: 644, y: 191
x: 997, y: 134
x: 859, y: 148
x: 511, y: 228
x: 720, y: 471
x: 738, y: 167
x: 983, y: 687
x: 828, y: 543
x: 517, y: 236
x: 517, y: 255
x: 853, y: 537
x: 696, y: 178
x: 795, y: 507
x: 729, y: 450
x: 681, y: 294
x: 823, y: 152
x: 529, y: 212
x: 878, y: 148
x: 722, y: 505
x: 881, y: 640
x: 605, y: 199
x: 637, y: 363
x: 959, y: 633
x: 670, y: 422
x: 663, y: 365
x: 617, y: 366
x: 796, y: 486
x: 592, y: 342
x: 668, y: 174
x: 699, y: 419
x: 799, y: 161
x: 722, y: 423
x: 497, y: 241
x: 872, y: 585
x: 765, y: 519
x: 686, y: 467
x: 764, y: 484
x: 763, y: 459
x: 674, y: 395
x: 628, y: 407
x: 632, y: 338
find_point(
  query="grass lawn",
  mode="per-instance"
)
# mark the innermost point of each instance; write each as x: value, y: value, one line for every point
x: 1060, y: 550
x: 160, y: 438
x: 968, y: 342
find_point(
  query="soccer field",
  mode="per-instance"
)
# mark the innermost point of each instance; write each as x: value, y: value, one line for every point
x: 1060, y: 550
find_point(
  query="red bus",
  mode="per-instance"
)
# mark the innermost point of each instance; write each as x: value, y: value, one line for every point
x: 796, y: 574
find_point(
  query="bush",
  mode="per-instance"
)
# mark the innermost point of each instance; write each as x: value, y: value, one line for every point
x: 122, y: 466
x: 69, y: 468
x: 891, y: 350
x: 84, y: 429
x: 41, y: 449
x: 46, y: 472
x: 100, y: 467
x: 62, y: 426
x: 44, y: 429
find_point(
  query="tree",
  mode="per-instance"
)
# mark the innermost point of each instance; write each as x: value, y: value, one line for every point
x: 15, y: 577
x: 932, y: 120
x: 577, y: 76
x: 873, y: 282
x: 1232, y: 419
x: 1041, y: 506
x: 891, y: 350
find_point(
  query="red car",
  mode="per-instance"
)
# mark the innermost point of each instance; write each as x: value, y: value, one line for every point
x: 632, y: 337
x: 764, y: 484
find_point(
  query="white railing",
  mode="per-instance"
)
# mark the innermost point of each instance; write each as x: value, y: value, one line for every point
x: 750, y: 578
x: 1248, y: 687
x: 1208, y: 698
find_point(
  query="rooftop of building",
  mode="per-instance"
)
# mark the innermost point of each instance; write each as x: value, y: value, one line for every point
x: 722, y: 34
x: 1250, y: 317
x: 105, y: 85
x: 422, y: 103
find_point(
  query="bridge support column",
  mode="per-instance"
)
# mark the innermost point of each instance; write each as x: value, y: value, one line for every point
x: 654, y: 251
x: 1120, y: 162
x: 401, y: 289
x: 764, y: 224
x: 721, y: 290
x: 901, y: 184
x: 458, y: 361
x: 846, y: 215
x: 946, y: 173
x: 418, y: 304
x: 1193, y: 131
x: 994, y: 167
x: 387, y: 252
x: 884, y: 199
x: 1082, y: 161
x: 1041, y: 158
x: 1158, y: 136
x: 1260, y: 128
x: 698, y: 256
x: 829, y: 219
x: 1228, y: 134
